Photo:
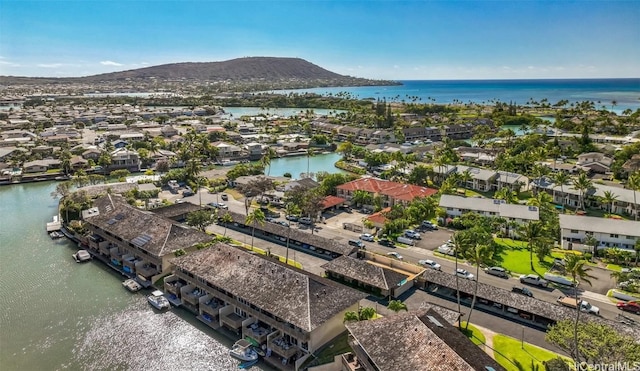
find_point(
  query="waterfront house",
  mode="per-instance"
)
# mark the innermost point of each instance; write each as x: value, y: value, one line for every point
x: 92, y: 154
x: 39, y: 166
x: 292, y: 312
x: 391, y: 193
x: 416, y: 340
x: 574, y: 230
x: 135, y: 241
x: 227, y: 151
x: 123, y: 158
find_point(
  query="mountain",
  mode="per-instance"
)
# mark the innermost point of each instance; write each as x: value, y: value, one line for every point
x: 240, y: 70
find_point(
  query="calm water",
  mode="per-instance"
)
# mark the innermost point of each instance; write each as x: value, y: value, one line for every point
x: 57, y: 314
x: 625, y: 91
x: 237, y: 112
x: 297, y: 165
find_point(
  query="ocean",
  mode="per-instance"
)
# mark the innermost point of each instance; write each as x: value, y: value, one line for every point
x: 603, y: 92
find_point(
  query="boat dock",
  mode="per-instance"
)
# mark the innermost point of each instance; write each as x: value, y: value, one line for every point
x: 55, y: 225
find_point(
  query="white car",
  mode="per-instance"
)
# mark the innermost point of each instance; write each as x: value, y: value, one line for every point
x: 447, y: 250
x: 412, y: 234
x: 395, y: 255
x: 430, y: 264
x: 464, y: 274
x: 532, y: 279
x: 366, y: 237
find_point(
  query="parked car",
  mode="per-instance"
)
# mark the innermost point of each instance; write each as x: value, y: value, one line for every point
x: 532, y: 279
x: 430, y: 264
x: 428, y: 225
x: 356, y: 243
x: 522, y: 290
x: 447, y: 250
x: 304, y: 220
x: 406, y: 240
x: 394, y: 255
x: 584, y: 305
x: 283, y: 223
x: 291, y: 218
x: 629, y: 306
x: 464, y: 274
x: 386, y: 242
x: 366, y: 237
x: 222, y: 205
x: 412, y: 234
x: 224, y: 197
x: 497, y: 271
x: 187, y: 193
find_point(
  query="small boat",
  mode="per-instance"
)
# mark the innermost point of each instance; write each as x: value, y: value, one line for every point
x: 55, y: 235
x: 132, y: 285
x: 82, y: 256
x: 247, y: 364
x: 243, y: 350
x: 158, y: 301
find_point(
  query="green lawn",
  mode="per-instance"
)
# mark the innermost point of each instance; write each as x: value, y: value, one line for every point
x: 473, y: 333
x: 509, y: 353
x: 338, y: 346
x: 515, y: 257
x: 614, y: 267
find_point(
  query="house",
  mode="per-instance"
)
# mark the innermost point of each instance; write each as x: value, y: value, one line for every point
x: 417, y: 340
x: 78, y: 163
x: 457, y: 205
x: 574, y: 230
x: 391, y: 193
x: 227, y: 151
x: 135, y: 241
x: 632, y: 164
x: 123, y: 158
x: 306, y: 183
x: 92, y: 154
x: 415, y: 133
x: 40, y: 166
x: 291, y: 312
x: 119, y: 143
x: 481, y: 180
x: 255, y: 150
x: 513, y: 181
x: 168, y: 131
x: 595, y: 161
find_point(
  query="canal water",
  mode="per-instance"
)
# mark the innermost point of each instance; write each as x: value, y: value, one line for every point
x: 56, y: 314
x: 298, y: 164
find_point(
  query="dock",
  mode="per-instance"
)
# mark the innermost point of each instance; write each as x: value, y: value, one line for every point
x: 55, y: 225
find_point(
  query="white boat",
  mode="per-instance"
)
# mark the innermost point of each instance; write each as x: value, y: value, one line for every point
x: 158, y: 300
x: 132, y: 285
x: 81, y: 256
x: 243, y: 350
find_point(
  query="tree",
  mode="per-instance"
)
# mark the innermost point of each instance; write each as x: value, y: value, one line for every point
x: 256, y: 216
x: 561, y: 178
x: 574, y: 266
x: 226, y: 218
x: 455, y: 239
x: 367, y: 313
x: 633, y: 183
x: 609, y: 198
x: 346, y: 149
x: 361, y: 197
x: 582, y: 184
x: 506, y: 194
x: 531, y: 232
x: 351, y: 316
x: 479, y: 256
x: 556, y: 364
x: 267, y: 157
x: 200, y: 219
x: 309, y: 155
x: 397, y: 305
x: 597, y: 342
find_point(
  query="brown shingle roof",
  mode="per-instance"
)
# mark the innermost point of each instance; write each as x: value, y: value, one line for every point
x: 410, y: 341
x: 298, y: 235
x: 152, y: 233
x: 362, y: 271
x: 298, y: 297
x: 174, y: 210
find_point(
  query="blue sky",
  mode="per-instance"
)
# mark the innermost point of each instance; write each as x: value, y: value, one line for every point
x: 382, y: 39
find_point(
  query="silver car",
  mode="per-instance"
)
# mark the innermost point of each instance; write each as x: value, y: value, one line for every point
x: 497, y: 271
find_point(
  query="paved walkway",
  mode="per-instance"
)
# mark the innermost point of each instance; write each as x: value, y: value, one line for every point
x: 488, y: 336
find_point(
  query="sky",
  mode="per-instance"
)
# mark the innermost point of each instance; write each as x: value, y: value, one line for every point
x: 378, y: 39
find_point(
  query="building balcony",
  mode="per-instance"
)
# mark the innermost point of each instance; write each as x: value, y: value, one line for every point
x: 145, y: 269
x: 191, y: 295
x: 232, y: 320
x: 172, y: 284
x: 257, y: 332
x: 282, y: 347
x: 350, y: 363
x: 115, y: 255
x: 209, y: 305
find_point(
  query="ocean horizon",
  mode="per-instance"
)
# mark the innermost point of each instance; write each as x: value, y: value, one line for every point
x: 625, y: 92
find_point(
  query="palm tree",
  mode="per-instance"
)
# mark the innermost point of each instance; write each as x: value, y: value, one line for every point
x: 583, y: 184
x: 465, y: 178
x: 397, y: 305
x: 309, y: 155
x: 350, y: 316
x: 256, y: 216
x: 506, y: 194
x: 634, y: 184
x: 266, y: 158
x: 560, y: 178
x: 226, y: 219
x: 361, y: 197
x: 480, y: 254
x: 609, y: 198
x: 532, y: 232
x: 574, y: 266
x: 457, y: 247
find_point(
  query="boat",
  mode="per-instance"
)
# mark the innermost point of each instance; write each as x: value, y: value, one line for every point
x: 243, y: 350
x: 55, y: 235
x: 158, y: 301
x: 132, y: 285
x: 247, y: 364
x: 82, y: 256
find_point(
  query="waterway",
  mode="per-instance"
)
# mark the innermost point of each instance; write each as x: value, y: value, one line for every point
x: 298, y: 164
x: 57, y: 314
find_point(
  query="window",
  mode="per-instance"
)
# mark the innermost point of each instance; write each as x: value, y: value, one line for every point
x: 613, y: 235
x: 630, y: 237
x: 574, y: 231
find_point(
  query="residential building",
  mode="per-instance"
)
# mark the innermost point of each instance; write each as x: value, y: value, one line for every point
x: 458, y: 205
x: 40, y: 166
x: 123, y: 158
x: 595, y: 161
x: 227, y: 151
x: 391, y: 193
x: 481, y: 179
x: 292, y: 312
x: 416, y: 340
x: 135, y: 241
x: 513, y: 181
x: 575, y: 229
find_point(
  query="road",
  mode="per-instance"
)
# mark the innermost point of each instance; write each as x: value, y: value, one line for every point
x: 332, y: 229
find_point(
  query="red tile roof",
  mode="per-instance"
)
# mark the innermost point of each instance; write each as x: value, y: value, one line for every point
x: 379, y: 217
x: 399, y: 191
x: 331, y: 201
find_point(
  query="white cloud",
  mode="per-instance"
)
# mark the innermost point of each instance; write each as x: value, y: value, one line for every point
x: 7, y: 63
x: 50, y: 65
x: 110, y: 63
